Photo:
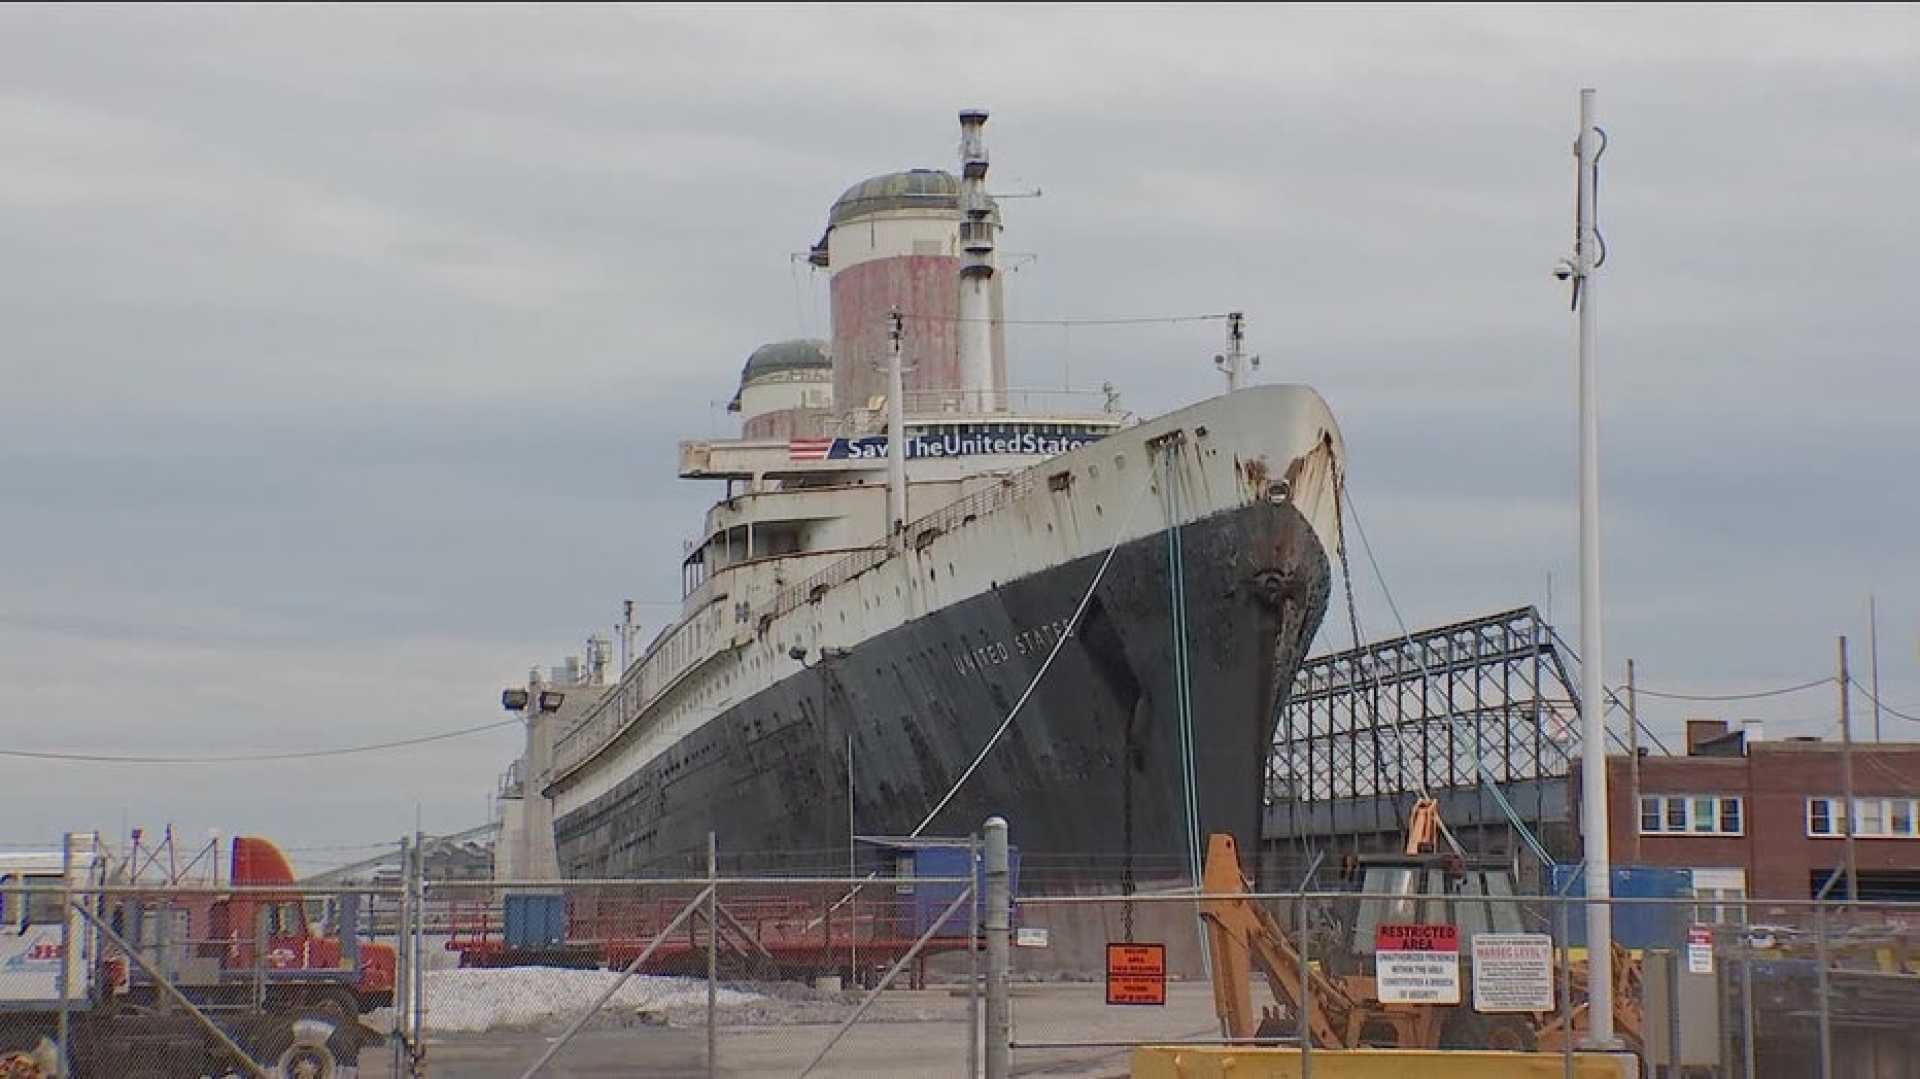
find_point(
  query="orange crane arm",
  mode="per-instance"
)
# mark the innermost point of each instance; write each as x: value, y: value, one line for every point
x: 1240, y: 934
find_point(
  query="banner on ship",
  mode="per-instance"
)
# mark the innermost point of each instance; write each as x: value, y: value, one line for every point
x: 987, y: 439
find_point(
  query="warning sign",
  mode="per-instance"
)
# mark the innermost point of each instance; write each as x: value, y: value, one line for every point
x: 1700, y: 949
x: 1512, y: 972
x: 1136, y: 974
x: 1031, y: 936
x: 1417, y: 964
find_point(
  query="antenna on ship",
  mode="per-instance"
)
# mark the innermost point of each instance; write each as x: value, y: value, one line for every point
x: 896, y: 432
x: 626, y: 635
x: 1236, y: 364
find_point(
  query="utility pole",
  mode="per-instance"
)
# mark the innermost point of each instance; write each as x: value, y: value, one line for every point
x: 1594, y: 815
x: 1633, y: 760
x: 1846, y: 774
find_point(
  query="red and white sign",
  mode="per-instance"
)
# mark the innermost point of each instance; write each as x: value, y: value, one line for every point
x: 1700, y: 949
x: 1417, y: 964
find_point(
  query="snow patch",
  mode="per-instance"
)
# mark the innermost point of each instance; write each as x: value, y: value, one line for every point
x: 471, y: 1001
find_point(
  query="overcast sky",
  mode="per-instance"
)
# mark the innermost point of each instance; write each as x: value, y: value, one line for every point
x: 346, y: 348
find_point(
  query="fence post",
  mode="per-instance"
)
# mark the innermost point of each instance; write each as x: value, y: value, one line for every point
x: 973, y: 958
x: 262, y: 940
x: 1306, y: 982
x: 1566, y: 983
x: 713, y: 952
x: 402, y: 965
x: 1746, y: 992
x: 64, y: 1032
x: 999, y: 1051
x: 419, y: 951
x: 1673, y: 1012
x: 1826, y: 1018
x: 1723, y: 992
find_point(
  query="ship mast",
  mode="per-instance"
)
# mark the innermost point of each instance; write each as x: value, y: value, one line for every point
x: 896, y: 433
x: 1235, y: 363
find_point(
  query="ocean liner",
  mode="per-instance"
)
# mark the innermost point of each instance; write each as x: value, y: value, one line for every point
x: 907, y: 552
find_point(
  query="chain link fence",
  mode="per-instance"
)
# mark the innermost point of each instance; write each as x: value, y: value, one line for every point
x: 909, y: 971
x: 1731, y: 989
x: 699, y: 975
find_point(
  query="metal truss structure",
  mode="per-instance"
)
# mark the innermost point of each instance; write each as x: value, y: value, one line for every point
x: 1486, y: 702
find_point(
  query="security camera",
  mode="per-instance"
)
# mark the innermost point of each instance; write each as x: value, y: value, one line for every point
x: 1563, y: 269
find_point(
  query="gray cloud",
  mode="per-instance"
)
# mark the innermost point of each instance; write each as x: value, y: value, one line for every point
x: 346, y: 348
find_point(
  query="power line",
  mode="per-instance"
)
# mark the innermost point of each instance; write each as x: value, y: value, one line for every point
x: 1068, y: 321
x: 244, y: 758
x: 1782, y: 691
x: 1885, y: 769
x: 1884, y: 706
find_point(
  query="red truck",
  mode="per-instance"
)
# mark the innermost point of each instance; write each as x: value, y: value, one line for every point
x: 249, y: 960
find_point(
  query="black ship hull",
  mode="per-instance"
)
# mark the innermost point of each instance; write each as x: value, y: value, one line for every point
x: 1089, y: 775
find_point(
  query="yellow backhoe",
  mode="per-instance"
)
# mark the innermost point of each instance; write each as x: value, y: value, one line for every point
x: 1343, y: 1010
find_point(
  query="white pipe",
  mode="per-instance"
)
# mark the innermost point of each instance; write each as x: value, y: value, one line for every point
x: 975, y: 338
x: 975, y: 331
x: 1594, y: 820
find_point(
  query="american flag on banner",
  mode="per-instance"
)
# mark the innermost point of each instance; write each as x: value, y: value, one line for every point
x: 809, y: 449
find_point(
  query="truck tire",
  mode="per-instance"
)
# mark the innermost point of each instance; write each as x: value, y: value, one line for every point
x: 314, y: 1045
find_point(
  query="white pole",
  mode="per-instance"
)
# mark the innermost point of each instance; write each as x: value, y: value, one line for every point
x: 1873, y: 661
x: 999, y: 1035
x: 896, y: 433
x: 1236, y: 353
x: 1594, y: 818
x: 1846, y: 773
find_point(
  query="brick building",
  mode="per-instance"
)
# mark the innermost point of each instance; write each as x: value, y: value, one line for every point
x: 1766, y: 819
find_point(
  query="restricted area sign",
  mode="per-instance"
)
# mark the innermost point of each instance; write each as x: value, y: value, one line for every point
x: 1512, y: 972
x: 1700, y: 949
x: 1417, y: 964
x: 1136, y: 974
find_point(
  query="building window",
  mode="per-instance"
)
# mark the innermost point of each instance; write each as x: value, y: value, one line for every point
x: 1723, y: 892
x: 1691, y: 814
x: 1873, y: 818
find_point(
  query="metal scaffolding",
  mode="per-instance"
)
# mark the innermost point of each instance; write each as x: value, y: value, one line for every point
x: 1444, y: 711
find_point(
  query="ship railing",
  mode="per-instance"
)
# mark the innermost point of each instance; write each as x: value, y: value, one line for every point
x: 1036, y: 400
x: 991, y: 406
x: 675, y: 652
x: 799, y: 915
x: 920, y: 532
x: 795, y: 595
